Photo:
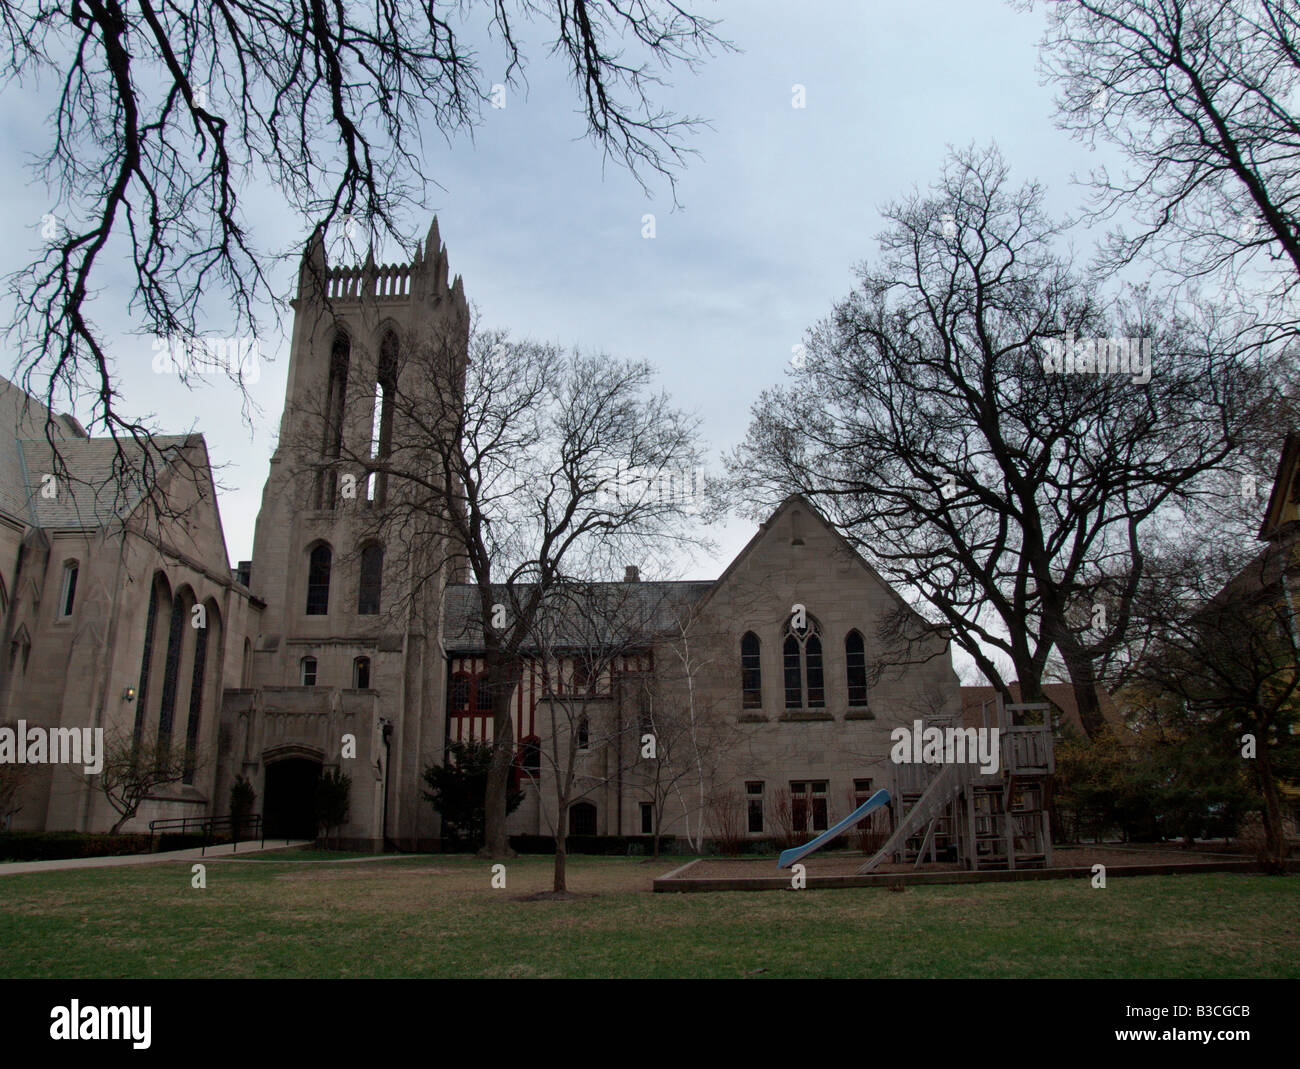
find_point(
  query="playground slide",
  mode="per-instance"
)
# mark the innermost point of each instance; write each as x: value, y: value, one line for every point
x: 943, y: 788
x: 789, y: 857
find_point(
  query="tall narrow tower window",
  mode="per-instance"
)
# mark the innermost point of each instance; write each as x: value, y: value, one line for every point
x: 318, y: 581
x: 68, y: 593
x: 385, y: 399
x: 855, y: 659
x: 372, y: 580
x: 802, y: 653
x: 332, y: 445
x: 196, y: 703
x: 751, y: 676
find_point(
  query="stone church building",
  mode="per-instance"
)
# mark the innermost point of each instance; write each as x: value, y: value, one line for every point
x: 767, y: 693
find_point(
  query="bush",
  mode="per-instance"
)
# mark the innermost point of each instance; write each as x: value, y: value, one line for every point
x: 456, y: 792
x: 61, y: 845
x: 333, y: 799
x: 242, y: 800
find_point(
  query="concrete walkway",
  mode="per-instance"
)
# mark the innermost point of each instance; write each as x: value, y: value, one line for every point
x: 223, y: 850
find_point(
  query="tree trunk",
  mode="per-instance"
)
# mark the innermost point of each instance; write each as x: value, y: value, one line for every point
x: 1083, y: 678
x: 496, y: 841
x: 561, y: 844
x: 558, y: 884
x: 503, y: 676
x: 1275, y: 846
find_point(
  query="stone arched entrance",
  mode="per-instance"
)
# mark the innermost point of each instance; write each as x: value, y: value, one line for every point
x: 290, y: 802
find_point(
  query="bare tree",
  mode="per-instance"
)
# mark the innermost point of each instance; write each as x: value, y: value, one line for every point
x: 591, y: 640
x: 160, y: 110
x: 726, y: 816
x: 13, y: 777
x: 504, y: 468
x: 1015, y: 497
x: 783, y: 818
x: 135, y: 768
x: 1228, y: 659
x: 1198, y: 95
x: 689, y: 728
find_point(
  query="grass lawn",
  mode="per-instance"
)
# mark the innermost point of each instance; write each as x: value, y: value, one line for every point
x: 439, y: 916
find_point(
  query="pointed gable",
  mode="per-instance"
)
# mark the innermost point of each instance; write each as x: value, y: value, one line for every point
x: 1284, y: 501
x: 793, y: 528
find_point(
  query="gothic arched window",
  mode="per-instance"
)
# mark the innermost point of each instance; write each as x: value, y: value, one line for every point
x: 381, y: 436
x: 335, y: 397
x: 855, y: 660
x: 180, y: 618
x: 801, y: 651
x: 196, y: 691
x: 751, y: 675
x: 361, y: 673
x: 372, y: 580
x: 318, y: 580
x: 68, y: 592
x: 159, y: 597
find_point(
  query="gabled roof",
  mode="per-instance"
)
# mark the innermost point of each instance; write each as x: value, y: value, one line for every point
x: 627, y: 610
x: 105, y: 480
x: 1276, y: 517
x: 799, y: 500
x: 101, y: 488
x: 615, y: 613
x: 28, y: 418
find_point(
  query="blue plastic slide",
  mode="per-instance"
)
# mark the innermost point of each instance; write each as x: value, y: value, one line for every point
x: 789, y: 857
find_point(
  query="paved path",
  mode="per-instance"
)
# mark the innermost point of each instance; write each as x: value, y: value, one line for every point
x: 12, y: 868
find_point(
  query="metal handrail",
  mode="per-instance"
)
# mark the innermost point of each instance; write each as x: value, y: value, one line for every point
x: 208, y: 826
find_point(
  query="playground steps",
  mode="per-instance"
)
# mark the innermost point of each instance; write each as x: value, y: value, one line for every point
x: 931, y: 805
x: 1007, y: 816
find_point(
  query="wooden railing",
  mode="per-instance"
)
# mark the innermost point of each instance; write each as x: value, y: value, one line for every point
x: 1028, y: 748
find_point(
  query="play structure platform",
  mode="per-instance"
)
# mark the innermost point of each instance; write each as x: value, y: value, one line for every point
x: 957, y: 813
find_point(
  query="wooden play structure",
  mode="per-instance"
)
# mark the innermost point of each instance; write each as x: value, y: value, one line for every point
x: 957, y: 813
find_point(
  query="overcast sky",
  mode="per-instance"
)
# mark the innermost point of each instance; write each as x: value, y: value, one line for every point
x: 777, y: 209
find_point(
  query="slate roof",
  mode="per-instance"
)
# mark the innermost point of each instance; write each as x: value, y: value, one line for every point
x: 27, y: 417
x: 615, y: 611
x: 101, y: 488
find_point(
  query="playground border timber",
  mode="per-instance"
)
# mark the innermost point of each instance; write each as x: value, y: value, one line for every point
x: 679, y: 880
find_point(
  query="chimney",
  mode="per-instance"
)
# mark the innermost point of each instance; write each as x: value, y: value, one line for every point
x: 631, y: 574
